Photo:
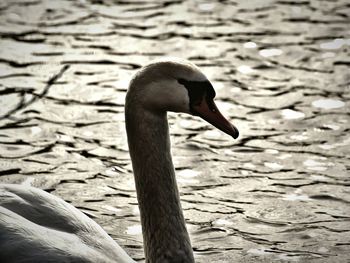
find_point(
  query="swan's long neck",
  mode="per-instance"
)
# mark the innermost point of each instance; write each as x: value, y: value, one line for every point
x: 164, y: 231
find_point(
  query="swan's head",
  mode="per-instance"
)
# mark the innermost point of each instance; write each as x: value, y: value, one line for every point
x: 179, y: 86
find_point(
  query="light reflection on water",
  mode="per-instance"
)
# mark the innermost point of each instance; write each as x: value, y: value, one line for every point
x: 111, y: 208
x: 328, y: 104
x: 335, y: 44
x: 299, y: 137
x: 188, y: 173
x: 272, y: 151
x: 292, y: 114
x: 222, y: 222
x: 35, y: 130
x: 316, y: 165
x: 134, y: 230
x: 187, y: 176
x: 206, y: 7
x: 274, y: 166
x: 245, y: 69
x: 250, y: 45
x: 328, y: 55
x: 272, y: 52
x: 296, y: 197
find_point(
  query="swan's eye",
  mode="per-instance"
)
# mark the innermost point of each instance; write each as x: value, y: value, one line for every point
x: 199, y: 90
x: 211, y: 92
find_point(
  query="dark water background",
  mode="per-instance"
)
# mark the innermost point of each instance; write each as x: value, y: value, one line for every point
x: 281, y: 71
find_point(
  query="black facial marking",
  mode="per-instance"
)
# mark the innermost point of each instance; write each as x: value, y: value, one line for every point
x: 197, y: 90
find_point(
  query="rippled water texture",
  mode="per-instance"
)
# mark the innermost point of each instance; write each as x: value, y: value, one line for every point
x: 281, y: 71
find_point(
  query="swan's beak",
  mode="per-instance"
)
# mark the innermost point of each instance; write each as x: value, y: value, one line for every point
x: 213, y: 116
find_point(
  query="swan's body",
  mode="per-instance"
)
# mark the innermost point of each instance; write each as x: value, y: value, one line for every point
x: 38, y: 227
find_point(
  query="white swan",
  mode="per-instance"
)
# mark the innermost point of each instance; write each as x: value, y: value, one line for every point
x: 36, y: 226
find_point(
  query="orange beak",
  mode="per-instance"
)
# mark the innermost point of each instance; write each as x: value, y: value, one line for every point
x: 213, y: 116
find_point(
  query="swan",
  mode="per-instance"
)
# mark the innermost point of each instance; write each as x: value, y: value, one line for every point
x: 36, y: 226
